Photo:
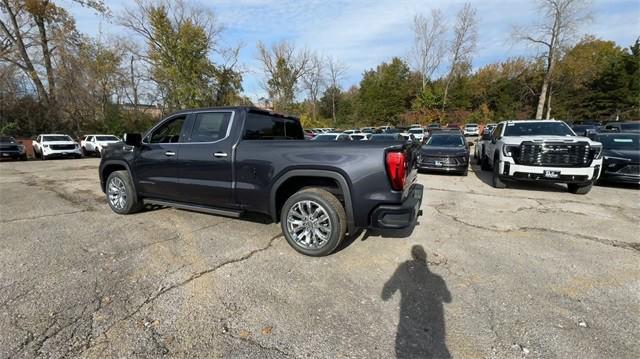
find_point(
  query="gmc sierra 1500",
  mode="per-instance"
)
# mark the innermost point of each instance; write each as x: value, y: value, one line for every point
x: 232, y: 160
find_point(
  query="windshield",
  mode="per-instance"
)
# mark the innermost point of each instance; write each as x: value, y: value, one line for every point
x: 107, y: 138
x: 630, y: 126
x: 620, y: 142
x: 538, y: 129
x: 446, y: 141
x: 325, y: 138
x: 7, y: 139
x: 357, y: 137
x: 56, y: 138
x: 416, y: 130
x: 471, y: 125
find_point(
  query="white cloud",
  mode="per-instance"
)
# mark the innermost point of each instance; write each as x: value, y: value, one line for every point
x: 363, y: 33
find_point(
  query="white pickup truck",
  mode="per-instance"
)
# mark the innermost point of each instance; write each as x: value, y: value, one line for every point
x: 93, y: 144
x: 55, y: 145
x: 541, y: 150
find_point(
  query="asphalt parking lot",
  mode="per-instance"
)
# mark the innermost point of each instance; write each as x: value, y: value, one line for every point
x: 528, y: 271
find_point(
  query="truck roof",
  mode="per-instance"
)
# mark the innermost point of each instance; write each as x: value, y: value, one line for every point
x: 529, y: 121
x: 236, y: 108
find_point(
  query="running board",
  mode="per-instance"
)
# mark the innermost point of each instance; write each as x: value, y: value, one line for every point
x: 195, y: 208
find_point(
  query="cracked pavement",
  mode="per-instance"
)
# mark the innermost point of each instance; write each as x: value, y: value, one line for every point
x: 528, y: 271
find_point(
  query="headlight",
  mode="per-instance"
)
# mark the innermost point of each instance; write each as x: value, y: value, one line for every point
x: 45, y: 146
x: 77, y: 146
x: 21, y: 148
x: 507, y: 150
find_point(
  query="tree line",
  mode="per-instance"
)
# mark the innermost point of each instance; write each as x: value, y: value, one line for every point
x: 54, y: 78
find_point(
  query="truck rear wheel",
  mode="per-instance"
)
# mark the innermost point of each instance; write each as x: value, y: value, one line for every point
x: 313, y: 221
x: 576, y: 188
x: 121, y: 194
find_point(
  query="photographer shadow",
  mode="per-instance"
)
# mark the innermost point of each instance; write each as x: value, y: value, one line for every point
x: 421, y: 329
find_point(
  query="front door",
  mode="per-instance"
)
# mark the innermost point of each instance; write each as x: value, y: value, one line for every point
x: 206, y: 159
x: 157, y: 171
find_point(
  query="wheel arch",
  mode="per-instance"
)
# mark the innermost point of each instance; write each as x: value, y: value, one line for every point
x: 111, y: 166
x: 290, y: 176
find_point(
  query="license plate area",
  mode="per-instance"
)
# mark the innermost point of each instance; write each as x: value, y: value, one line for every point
x: 438, y: 163
x: 551, y: 174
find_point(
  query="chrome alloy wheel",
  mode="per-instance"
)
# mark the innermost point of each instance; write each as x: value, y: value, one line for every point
x: 308, y: 224
x: 117, y: 193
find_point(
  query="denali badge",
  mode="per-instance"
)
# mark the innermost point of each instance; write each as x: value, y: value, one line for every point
x: 551, y: 174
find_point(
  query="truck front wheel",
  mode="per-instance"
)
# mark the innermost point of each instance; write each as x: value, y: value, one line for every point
x: 497, y: 182
x: 313, y: 221
x: 580, y: 188
x: 121, y: 194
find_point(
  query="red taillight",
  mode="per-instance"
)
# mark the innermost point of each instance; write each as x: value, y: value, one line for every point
x: 396, y: 168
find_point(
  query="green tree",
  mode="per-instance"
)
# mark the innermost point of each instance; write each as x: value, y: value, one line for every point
x: 384, y: 92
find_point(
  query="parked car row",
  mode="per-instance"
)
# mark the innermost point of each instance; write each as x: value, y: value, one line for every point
x: 56, y: 145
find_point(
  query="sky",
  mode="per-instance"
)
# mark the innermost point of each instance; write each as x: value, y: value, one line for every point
x: 363, y: 33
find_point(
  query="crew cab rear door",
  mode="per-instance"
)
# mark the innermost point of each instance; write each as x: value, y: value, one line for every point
x: 206, y: 160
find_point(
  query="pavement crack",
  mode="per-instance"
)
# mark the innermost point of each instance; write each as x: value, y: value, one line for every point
x: 44, y: 216
x: 191, y: 278
x: 611, y: 242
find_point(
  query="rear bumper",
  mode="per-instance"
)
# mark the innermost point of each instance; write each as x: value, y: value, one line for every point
x: 399, y: 216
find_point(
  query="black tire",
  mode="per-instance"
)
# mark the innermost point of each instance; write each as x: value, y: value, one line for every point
x: 23, y: 157
x: 576, y: 188
x: 465, y: 173
x: 478, y: 159
x: 496, y: 181
x: 131, y: 203
x: 84, y: 152
x: 43, y: 157
x: 484, y: 163
x: 337, y: 219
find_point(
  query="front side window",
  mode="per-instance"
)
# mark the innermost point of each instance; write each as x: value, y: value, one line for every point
x: 210, y: 126
x: 168, y: 132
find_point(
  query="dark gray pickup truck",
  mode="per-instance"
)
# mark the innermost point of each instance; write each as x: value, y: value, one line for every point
x: 235, y: 160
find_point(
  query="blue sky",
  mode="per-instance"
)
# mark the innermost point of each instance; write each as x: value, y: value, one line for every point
x: 363, y: 33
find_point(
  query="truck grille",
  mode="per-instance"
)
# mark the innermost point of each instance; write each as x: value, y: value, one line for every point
x: 554, y: 154
x: 62, y: 147
x: 8, y: 148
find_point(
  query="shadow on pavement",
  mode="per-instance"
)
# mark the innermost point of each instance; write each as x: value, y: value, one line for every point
x: 421, y: 329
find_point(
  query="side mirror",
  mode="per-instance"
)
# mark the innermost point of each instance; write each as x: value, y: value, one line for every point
x: 486, y: 137
x: 133, y: 139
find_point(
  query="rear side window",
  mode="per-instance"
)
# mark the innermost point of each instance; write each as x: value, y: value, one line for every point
x: 265, y: 127
x: 210, y: 126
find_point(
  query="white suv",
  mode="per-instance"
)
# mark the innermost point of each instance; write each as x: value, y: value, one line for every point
x: 542, y: 150
x: 95, y: 143
x: 471, y: 129
x: 55, y: 145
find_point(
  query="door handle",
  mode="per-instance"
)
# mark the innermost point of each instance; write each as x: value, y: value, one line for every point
x: 220, y: 154
x: 169, y: 153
